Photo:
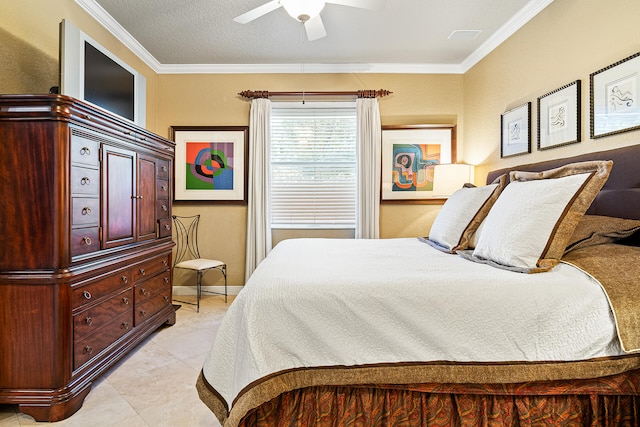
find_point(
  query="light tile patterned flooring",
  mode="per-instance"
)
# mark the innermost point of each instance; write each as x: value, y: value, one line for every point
x: 154, y: 385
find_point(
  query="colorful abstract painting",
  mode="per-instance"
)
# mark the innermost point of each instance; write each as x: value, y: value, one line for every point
x: 413, y: 166
x: 209, y: 165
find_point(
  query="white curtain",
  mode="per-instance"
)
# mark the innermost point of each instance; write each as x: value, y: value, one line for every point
x: 369, y: 140
x: 258, y: 218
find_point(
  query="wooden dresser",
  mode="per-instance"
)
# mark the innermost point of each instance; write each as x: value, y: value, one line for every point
x: 85, y: 247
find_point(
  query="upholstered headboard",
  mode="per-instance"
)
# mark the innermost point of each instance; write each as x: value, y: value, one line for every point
x: 620, y: 196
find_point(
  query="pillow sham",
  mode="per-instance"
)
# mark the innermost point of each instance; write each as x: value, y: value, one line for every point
x: 597, y: 229
x: 461, y: 215
x: 529, y: 226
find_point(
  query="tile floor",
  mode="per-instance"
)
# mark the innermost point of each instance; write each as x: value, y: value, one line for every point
x: 154, y: 385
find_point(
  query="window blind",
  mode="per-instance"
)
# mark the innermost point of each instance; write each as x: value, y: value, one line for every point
x: 313, y: 166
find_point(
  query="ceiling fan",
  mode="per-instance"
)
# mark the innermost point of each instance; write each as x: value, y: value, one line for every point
x: 306, y: 11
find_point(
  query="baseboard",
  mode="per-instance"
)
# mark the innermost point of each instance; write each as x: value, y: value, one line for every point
x: 191, y: 290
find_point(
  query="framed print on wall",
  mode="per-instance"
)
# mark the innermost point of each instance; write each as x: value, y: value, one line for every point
x: 409, y: 155
x: 515, y: 131
x: 559, y: 116
x: 614, y: 98
x: 211, y: 163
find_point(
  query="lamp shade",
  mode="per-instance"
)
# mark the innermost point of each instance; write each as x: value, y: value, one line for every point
x: 303, y: 10
x: 448, y: 178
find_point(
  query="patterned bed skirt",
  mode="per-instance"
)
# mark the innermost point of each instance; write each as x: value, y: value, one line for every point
x: 608, y: 401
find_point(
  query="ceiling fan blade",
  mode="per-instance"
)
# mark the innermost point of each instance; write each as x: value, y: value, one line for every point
x: 315, y: 29
x: 257, y: 12
x: 362, y: 4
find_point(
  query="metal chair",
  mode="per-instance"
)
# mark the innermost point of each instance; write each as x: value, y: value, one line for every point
x: 188, y: 255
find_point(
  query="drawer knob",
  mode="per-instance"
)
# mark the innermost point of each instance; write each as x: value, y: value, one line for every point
x: 164, y: 168
x: 86, y: 210
x: 125, y: 301
x: 167, y: 227
x: 87, y: 350
x: 86, y: 294
x: 88, y: 320
x: 142, y: 271
x: 85, y: 151
x: 164, y: 187
x: 166, y: 298
x: 165, y: 208
x: 125, y: 326
x: 143, y: 313
x: 166, y: 280
x: 143, y: 291
x: 85, y: 180
x: 124, y: 279
x: 165, y: 262
x: 86, y: 241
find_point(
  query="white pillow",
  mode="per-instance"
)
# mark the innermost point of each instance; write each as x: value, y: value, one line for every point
x: 461, y: 215
x: 528, y: 228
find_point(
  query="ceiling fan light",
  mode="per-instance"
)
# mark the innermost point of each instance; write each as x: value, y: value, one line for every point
x: 303, y: 10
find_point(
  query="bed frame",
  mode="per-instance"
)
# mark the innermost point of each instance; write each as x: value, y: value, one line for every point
x: 603, y: 400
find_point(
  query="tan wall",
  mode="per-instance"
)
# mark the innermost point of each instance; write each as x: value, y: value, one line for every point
x: 29, y: 36
x: 213, y: 100
x: 567, y: 41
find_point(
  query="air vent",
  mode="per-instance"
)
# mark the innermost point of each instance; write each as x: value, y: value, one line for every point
x: 464, y: 34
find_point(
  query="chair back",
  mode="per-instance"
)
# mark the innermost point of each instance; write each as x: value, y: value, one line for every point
x: 186, y: 231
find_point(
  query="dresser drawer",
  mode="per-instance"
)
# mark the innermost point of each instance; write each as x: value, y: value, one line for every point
x: 88, y: 321
x: 87, y: 348
x: 162, y: 170
x: 150, y: 268
x: 164, y: 227
x: 84, y: 151
x: 152, y: 306
x: 85, y: 181
x: 152, y: 287
x: 93, y: 292
x: 86, y: 211
x: 162, y: 189
x: 85, y: 240
x: 162, y: 209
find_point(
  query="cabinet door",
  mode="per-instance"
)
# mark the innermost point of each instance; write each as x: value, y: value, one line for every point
x: 119, y: 192
x: 146, y: 198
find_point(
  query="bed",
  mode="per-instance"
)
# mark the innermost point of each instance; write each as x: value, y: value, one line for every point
x: 416, y: 332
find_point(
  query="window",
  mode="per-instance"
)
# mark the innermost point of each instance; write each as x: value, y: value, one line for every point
x: 313, y: 165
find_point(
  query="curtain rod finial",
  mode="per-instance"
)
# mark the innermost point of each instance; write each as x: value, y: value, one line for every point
x: 369, y: 93
x: 254, y: 94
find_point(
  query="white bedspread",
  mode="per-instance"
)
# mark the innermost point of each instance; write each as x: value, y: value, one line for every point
x: 327, y: 302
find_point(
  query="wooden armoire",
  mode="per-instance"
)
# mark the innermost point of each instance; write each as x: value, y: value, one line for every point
x: 85, y: 247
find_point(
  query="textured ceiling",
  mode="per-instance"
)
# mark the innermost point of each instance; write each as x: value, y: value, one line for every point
x: 408, y: 32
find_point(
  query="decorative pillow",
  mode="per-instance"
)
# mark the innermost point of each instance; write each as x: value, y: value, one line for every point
x: 529, y: 226
x: 596, y: 230
x: 461, y: 215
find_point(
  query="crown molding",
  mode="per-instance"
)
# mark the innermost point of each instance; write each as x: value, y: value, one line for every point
x: 507, y: 30
x: 99, y: 14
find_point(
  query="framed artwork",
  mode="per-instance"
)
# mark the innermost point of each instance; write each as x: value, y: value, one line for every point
x: 614, y: 98
x: 559, y: 117
x: 211, y: 163
x: 409, y: 155
x: 515, y: 131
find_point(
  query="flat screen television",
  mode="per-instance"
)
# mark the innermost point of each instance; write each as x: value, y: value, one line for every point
x: 91, y: 73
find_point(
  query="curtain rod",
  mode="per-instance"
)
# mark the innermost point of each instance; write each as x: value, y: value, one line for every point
x: 253, y: 94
